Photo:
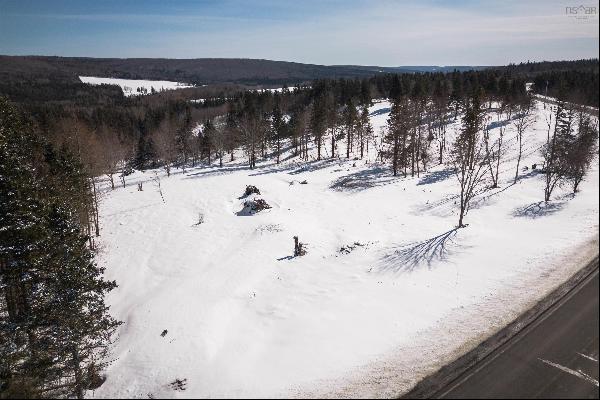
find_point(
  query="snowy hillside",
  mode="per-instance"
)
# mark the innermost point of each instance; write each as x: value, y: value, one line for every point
x: 388, y: 291
x: 130, y: 86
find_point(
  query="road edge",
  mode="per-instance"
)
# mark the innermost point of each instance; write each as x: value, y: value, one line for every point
x: 434, y: 383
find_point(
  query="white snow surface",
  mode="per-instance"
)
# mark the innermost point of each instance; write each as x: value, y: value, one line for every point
x: 129, y: 86
x: 246, y: 319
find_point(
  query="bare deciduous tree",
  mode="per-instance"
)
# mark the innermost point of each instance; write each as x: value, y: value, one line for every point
x: 166, y: 145
x: 252, y: 128
x: 469, y: 156
x: 523, y: 120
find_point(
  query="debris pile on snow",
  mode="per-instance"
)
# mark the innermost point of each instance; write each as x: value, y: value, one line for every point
x: 348, y: 248
x: 253, y: 206
x: 200, y: 219
x: 179, y: 384
x: 294, y: 182
x: 250, y: 189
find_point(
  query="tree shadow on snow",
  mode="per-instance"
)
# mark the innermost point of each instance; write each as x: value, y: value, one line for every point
x: 498, y: 124
x: 364, y: 179
x: 409, y: 257
x: 436, y: 176
x: 295, y: 167
x: 380, y: 111
x: 539, y: 209
x: 446, y: 203
x: 216, y: 171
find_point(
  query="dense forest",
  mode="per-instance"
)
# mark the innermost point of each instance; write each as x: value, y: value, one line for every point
x: 58, y: 138
x: 54, y: 326
x: 196, y: 71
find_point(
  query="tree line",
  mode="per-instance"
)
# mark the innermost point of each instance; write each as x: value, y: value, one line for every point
x: 54, y: 325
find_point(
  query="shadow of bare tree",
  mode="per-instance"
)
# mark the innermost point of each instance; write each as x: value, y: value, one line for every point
x: 411, y: 256
x: 216, y: 171
x: 539, y: 209
x: 447, y: 202
x: 364, y: 179
x: 295, y: 167
x: 436, y: 176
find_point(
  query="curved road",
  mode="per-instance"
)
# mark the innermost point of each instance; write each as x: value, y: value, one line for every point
x: 554, y: 357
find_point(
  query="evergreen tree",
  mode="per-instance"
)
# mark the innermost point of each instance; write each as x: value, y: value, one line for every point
x: 398, y: 131
x: 364, y: 130
x: 349, y: 118
x: 332, y: 119
x: 208, y: 134
x: 581, y: 150
x: 318, y: 122
x: 556, y: 150
x: 54, y: 326
x: 277, y: 128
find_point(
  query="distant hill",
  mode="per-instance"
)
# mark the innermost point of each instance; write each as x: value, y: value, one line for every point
x: 416, y: 68
x: 197, y: 71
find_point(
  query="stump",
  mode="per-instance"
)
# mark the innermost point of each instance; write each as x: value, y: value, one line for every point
x: 299, y: 249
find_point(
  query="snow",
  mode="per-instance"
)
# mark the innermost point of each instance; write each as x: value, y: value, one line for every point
x: 246, y: 319
x: 274, y: 90
x: 129, y: 86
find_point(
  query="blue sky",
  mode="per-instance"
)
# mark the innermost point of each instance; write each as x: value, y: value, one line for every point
x: 375, y: 32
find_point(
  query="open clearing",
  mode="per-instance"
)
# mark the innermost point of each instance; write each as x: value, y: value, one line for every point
x: 388, y: 291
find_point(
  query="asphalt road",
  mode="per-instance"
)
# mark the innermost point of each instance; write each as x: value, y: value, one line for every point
x: 554, y: 357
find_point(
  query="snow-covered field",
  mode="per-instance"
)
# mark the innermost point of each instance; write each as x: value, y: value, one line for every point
x: 130, y: 86
x: 407, y: 293
x: 274, y: 90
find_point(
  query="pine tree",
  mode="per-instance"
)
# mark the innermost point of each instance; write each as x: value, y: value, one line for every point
x: 208, y: 134
x: 398, y: 130
x: 297, y: 126
x: 277, y: 128
x: 581, y: 150
x: 318, y: 122
x: 332, y: 119
x: 364, y: 130
x: 349, y: 118
x: 54, y: 326
x: 557, y: 148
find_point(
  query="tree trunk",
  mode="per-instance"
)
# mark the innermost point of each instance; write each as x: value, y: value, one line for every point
x: 95, y: 210
x: 78, y: 375
x: 519, y: 138
x: 332, y: 142
x: 319, y: 147
x: 348, y: 135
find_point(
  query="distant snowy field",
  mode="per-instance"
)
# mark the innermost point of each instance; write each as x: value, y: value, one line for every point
x: 272, y: 90
x: 406, y: 295
x: 129, y: 86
